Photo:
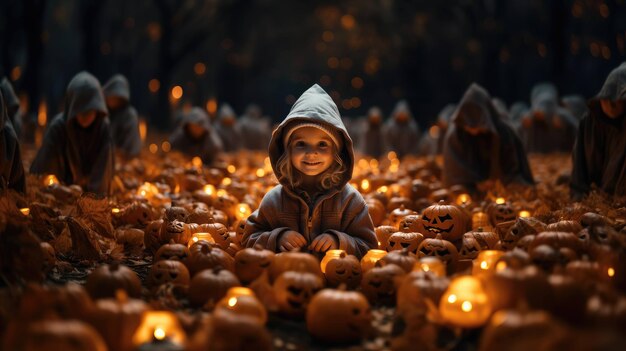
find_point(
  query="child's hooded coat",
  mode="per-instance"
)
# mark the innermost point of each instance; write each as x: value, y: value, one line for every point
x: 341, y: 211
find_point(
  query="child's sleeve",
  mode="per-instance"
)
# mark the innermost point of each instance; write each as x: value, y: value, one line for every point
x: 259, y: 229
x: 357, y: 236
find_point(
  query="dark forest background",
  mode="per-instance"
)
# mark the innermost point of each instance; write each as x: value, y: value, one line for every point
x: 267, y: 52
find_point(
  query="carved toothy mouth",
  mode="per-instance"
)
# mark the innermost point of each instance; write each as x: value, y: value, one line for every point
x: 438, y: 230
x: 294, y: 304
x: 376, y: 284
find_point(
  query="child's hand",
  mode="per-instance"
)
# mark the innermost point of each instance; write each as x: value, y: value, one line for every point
x: 323, y: 243
x: 291, y: 240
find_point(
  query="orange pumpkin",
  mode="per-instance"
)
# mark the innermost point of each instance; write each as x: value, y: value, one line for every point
x: 450, y: 221
x: 104, y: 281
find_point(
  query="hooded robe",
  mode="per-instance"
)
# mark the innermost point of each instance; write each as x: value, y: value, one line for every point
x: 401, y: 131
x: 11, y: 168
x: 372, y: 140
x: 431, y: 142
x: 78, y: 155
x: 12, y: 104
x: 599, y: 155
x: 340, y: 211
x: 496, y: 154
x: 255, y: 129
x: 227, y: 128
x: 124, y: 121
x: 207, y: 146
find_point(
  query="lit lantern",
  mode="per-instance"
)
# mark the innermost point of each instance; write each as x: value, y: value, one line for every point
x: 115, y: 210
x: 365, y: 185
x: 382, y: 190
x: 500, y: 200
x: 485, y: 263
x: 524, y: 214
x: 227, y: 181
x: 50, y: 180
x: 431, y: 264
x: 371, y: 257
x: 610, y: 272
x: 330, y: 255
x: 209, y: 189
x: 159, y: 330
x: 196, y: 162
x: 243, y: 211
x: 463, y: 199
x: 231, y: 169
x: 195, y: 237
x: 147, y: 190
x: 242, y: 300
x: 260, y: 173
x: 25, y: 211
x: 465, y: 303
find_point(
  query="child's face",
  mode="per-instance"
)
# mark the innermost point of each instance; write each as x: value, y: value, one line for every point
x: 311, y: 151
x: 612, y: 109
x: 85, y: 119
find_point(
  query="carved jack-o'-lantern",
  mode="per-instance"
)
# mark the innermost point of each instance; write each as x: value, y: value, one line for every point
x: 173, y: 230
x: 378, y: 284
x: 465, y: 303
x: 440, y: 248
x: 450, y: 221
x: 401, y: 258
x: 210, y: 285
x: 337, y: 316
x: 199, y: 213
x: 343, y: 270
x: 152, y: 235
x: 522, y: 227
x: 172, y: 251
x: 402, y: 240
x: 168, y: 271
x: 398, y: 214
x: 565, y: 226
x: 383, y: 233
x: 204, y: 255
x: 294, y: 261
x: 499, y: 213
x: 251, y: 262
x: 410, y: 224
x: 470, y: 248
x: 137, y: 214
x: 105, y: 280
x: 176, y: 213
x: 293, y: 291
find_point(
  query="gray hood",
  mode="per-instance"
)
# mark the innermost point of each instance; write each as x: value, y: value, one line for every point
x: 313, y: 106
x: 83, y: 94
x: 117, y: 86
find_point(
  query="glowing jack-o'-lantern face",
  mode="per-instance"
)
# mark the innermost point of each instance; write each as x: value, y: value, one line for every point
x: 442, y: 249
x: 343, y: 270
x: 465, y: 303
x: 510, y: 235
x: 293, y: 291
x: 401, y: 240
x: 448, y: 220
x: 398, y: 214
x: 173, y: 231
x: 378, y: 284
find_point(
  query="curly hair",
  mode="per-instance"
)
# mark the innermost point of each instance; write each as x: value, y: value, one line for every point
x: 330, y: 178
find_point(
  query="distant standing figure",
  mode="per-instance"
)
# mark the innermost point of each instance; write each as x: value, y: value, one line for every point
x: 12, y: 104
x: 228, y: 128
x: 123, y: 117
x: 479, y: 147
x: 255, y: 129
x: 196, y: 137
x: 599, y: 155
x: 372, y: 139
x: 401, y: 131
x: 77, y: 146
x: 11, y: 168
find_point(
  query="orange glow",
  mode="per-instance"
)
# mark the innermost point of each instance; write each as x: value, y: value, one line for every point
x: 115, y: 210
x: 196, y: 162
x: 211, y: 106
x: 348, y: 21
x: 195, y: 237
x: 50, y: 180
x: 357, y: 82
x: 42, y: 114
x: 260, y: 172
x: 25, y: 211
x: 463, y: 199
x: 199, y: 68
x: 243, y: 211
x: 365, y: 185
x: 371, y: 257
x: 159, y: 333
x: 166, y: 146
x: 524, y: 214
x: 611, y: 272
x: 159, y: 325
x: 16, y: 73
x: 153, y: 148
x: 177, y: 92
x: 154, y: 85
x: 500, y: 200
x: 231, y: 169
x: 143, y: 129
x: 227, y: 181
x: 330, y: 255
x: 209, y: 189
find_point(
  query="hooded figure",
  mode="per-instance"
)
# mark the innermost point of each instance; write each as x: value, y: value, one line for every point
x: 548, y: 127
x: 431, y: 142
x: 255, y: 129
x: 372, y: 140
x: 479, y: 146
x: 401, y: 131
x: 228, y: 128
x: 599, y: 155
x: 519, y: 111
x: 123, y: 116
x: 11, y: 168
x: 77, y: 146
x: 333, y: 211
x: 576, y: 105
x: 12, y: 104
x: 196, y: 137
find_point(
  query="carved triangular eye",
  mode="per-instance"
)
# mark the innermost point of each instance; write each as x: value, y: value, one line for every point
x: 405, y: 244
x: 445, y: 218
x: 392, y: 243
x: 294, y: 290
x: 426, y: 218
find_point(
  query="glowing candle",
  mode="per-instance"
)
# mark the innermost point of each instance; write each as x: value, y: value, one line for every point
x: 463, y: 199
x: 25, y: 211
x: 195, y: 237
x: 431, y: 264
x: 485, y: 263
x: 242, y: 300
x: 500, y: 200
x: 159, y: 328
x: 524, y: 214
x: 50, y: 180
x: 465, y: 303
x: 371, y: 257
x: 243, y: 211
